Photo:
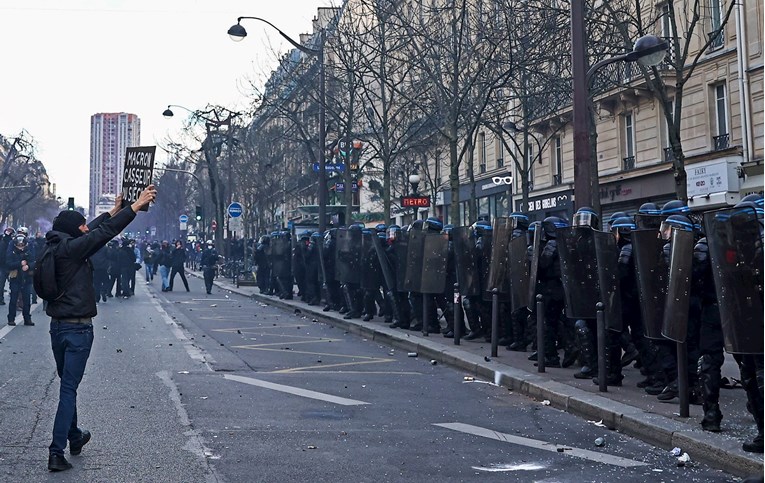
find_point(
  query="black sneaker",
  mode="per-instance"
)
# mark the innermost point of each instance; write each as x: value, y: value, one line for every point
x: 28, y: 322
x: 754, y: 446
x: 57, y: 462
x: 11, y: 322
x: 75, y: 447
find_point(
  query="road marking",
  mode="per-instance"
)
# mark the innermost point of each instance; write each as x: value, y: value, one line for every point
x: 543, y: 445
x: 295, y: 391
x: 6, y: 329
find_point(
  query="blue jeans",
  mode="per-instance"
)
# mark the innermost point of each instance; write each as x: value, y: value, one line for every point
x: 71, y: 345
x: 164, y: 272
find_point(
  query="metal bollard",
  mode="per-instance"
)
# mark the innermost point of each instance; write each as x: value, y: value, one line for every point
x: 494, y: 321
x: 540, y: 334
x: 425, y: 314
x: 457, y: 314
x: 601, y: 323
x: 682, y: 379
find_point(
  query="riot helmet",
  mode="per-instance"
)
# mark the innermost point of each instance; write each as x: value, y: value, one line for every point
x: 393, y: 232
x: 674, y: 207
x: 622, y: 228
x: 265, y: 240
x: 614, y: 217
x: 484, y: 217
x: 649, y: 209
x: 674, y: 222
x: 305, y: 235
x: 9, y: 230
x: 367, y: 231
x: 20, y: 241
x: 448, y: 230
x: 585, y: 216
x: 756, y: 198
x: 520, y: 220
x: 417, y: 225
x: 209, y: 243
x: 381, y: 228
x: 22, y: 230
x: 433, y: 224
x: 482, y: 227
x: 551, y: 224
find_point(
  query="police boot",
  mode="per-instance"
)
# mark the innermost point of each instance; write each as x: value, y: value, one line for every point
x: 369, y: 305
x: 709, y: 382
x: 471, y: 314
x: 352, y: 312
x: 571, y: 350
x: 752, y: 380
x: 586, y: 350
x: 518, y: 320
x: 550, y: 352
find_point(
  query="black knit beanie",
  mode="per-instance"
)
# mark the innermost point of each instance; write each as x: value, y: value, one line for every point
x: 69, y: 222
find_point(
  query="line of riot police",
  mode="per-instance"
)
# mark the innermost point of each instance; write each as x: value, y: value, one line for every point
x: 666, y: 282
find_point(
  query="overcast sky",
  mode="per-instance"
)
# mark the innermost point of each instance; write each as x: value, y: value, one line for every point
x: 64, y: 60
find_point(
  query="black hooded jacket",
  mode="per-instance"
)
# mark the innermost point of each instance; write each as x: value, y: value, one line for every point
x: 73, y: 268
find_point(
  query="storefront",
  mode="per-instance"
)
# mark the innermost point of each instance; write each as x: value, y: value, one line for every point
x: 628, y: 194
x: 558, y: 203
x: 492, y: 198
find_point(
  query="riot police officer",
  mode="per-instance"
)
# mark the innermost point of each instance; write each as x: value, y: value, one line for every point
x: 20, y: 262
x: 551, y: 288
x: 209, y: 263
x: 264, y: 267
x: 395, y: 252
x: 5, y: 243
x: 477, y: 310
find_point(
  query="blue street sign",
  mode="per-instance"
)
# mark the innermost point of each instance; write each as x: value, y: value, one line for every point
x: 234, y: 210
x: 330, y: 168
x: 340, y: 187
x: 183, y: 219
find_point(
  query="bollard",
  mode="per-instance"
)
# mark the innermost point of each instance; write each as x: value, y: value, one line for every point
x: 540, y: 334
x: 601, y: 323
x: 682, y: 378
x: 457, y: 314
x: 425, y: 314
x: 494, y: 321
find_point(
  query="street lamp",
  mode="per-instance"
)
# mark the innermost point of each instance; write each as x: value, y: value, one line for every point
x: 237, y: 33
x: 414, y: 181
x: 648, y: 50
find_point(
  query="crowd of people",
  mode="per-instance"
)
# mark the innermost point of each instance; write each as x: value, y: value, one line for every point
x: 407, y: 277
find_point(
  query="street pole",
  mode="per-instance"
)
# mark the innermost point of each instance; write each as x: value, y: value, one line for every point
x: 582, y: 165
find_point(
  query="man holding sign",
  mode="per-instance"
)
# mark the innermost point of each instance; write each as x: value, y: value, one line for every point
x: 73, y: 242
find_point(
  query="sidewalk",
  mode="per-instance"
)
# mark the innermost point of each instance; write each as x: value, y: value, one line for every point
x: 627, y: 409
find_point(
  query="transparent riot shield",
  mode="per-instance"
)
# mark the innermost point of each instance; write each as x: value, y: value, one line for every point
x: 677, y: 301
x: 281, y: 256
x: 518, y: 272
x: 413, y: 278
x: 579, y: 271
x: 385, y: 266
x: 347, y: 256
x: 498, y: 266
x: 434, y: 254
x: 400, y: 252
x: 607, y: 251
x: 464, y: 256
x: 371, y: 277
x: 652, y: 270
x: 536, y: 250
x: 735, y: 247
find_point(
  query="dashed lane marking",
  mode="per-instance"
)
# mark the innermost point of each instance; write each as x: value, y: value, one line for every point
x: 543, y: 445
x: 295, y: 391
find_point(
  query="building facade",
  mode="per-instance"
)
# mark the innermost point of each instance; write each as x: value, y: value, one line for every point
x: 110, y: 135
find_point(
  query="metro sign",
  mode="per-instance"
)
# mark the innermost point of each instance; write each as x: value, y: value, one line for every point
x: 415, y: 201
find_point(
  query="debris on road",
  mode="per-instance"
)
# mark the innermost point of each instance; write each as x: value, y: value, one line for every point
x: 213, y: 305
x: 412, y: 354
x: 433, y: 362
x: 599, y: 442
x: 183, y: 372
x: 546, y: 402
x: 676, y: 452
x: 118, y: 350
x: 104, y: 327
x: 598, y: 423
x: 683, y: 460
x: 311, y: 447
x: 468, y: 379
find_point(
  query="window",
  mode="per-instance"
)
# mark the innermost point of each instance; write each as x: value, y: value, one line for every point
x: 666, y: 21
x: 666, y: 144
x: 629, y: 142
x: 557, y: 161
x: 482, y: 153
x: 500, y: 150
x: 715, y: 16
x: 721, y: 117
x: 530, y: 161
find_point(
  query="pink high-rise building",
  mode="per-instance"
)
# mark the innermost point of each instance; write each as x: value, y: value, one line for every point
x: 110, y: 134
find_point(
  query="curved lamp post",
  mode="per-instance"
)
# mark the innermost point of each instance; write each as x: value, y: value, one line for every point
x: 648, y: 50
x: 237, y: 33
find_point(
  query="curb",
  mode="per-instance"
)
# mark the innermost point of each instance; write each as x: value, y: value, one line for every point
x: 713, y: 449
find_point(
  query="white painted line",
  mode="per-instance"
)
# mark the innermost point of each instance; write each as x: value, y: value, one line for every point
x: 295, y: 390
x: 543, y: 445
x: 6, y: 329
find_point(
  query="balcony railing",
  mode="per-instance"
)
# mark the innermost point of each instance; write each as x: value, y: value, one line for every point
x: 716, y: 39
x: 557, y: 179
x: 721, y: 141
x: 669, y: 155
x: 628, y: 163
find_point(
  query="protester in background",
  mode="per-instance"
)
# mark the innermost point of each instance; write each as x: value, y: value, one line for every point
x: 177, y: 267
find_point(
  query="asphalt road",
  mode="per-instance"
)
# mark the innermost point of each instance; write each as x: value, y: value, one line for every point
x: 193, y: 387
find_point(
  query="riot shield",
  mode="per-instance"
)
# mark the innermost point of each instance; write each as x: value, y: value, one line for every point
x: 651, y: 269
x: 347, y: 251
x: 415, y: 246
x: 370, y: 267
x: 518, y: 272
x: 322, y: 266
x: 536, y: 247
x: 677, y: 301
x: 648, y: 222
x: 735, y: 247
x: 501, y: 234
x: 281, y: 256
x: 434, y: 254
x: 464, y: 256
x: 484, y: 264
x: 385, y: 266
x: 579, y: 271
x: 607, y: 251
x: 400, y: 252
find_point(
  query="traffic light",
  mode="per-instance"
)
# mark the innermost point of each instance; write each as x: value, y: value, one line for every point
x: 198, y: 213
x: 70, y: 204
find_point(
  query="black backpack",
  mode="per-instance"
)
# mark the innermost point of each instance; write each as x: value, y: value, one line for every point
x: 44, y: 276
